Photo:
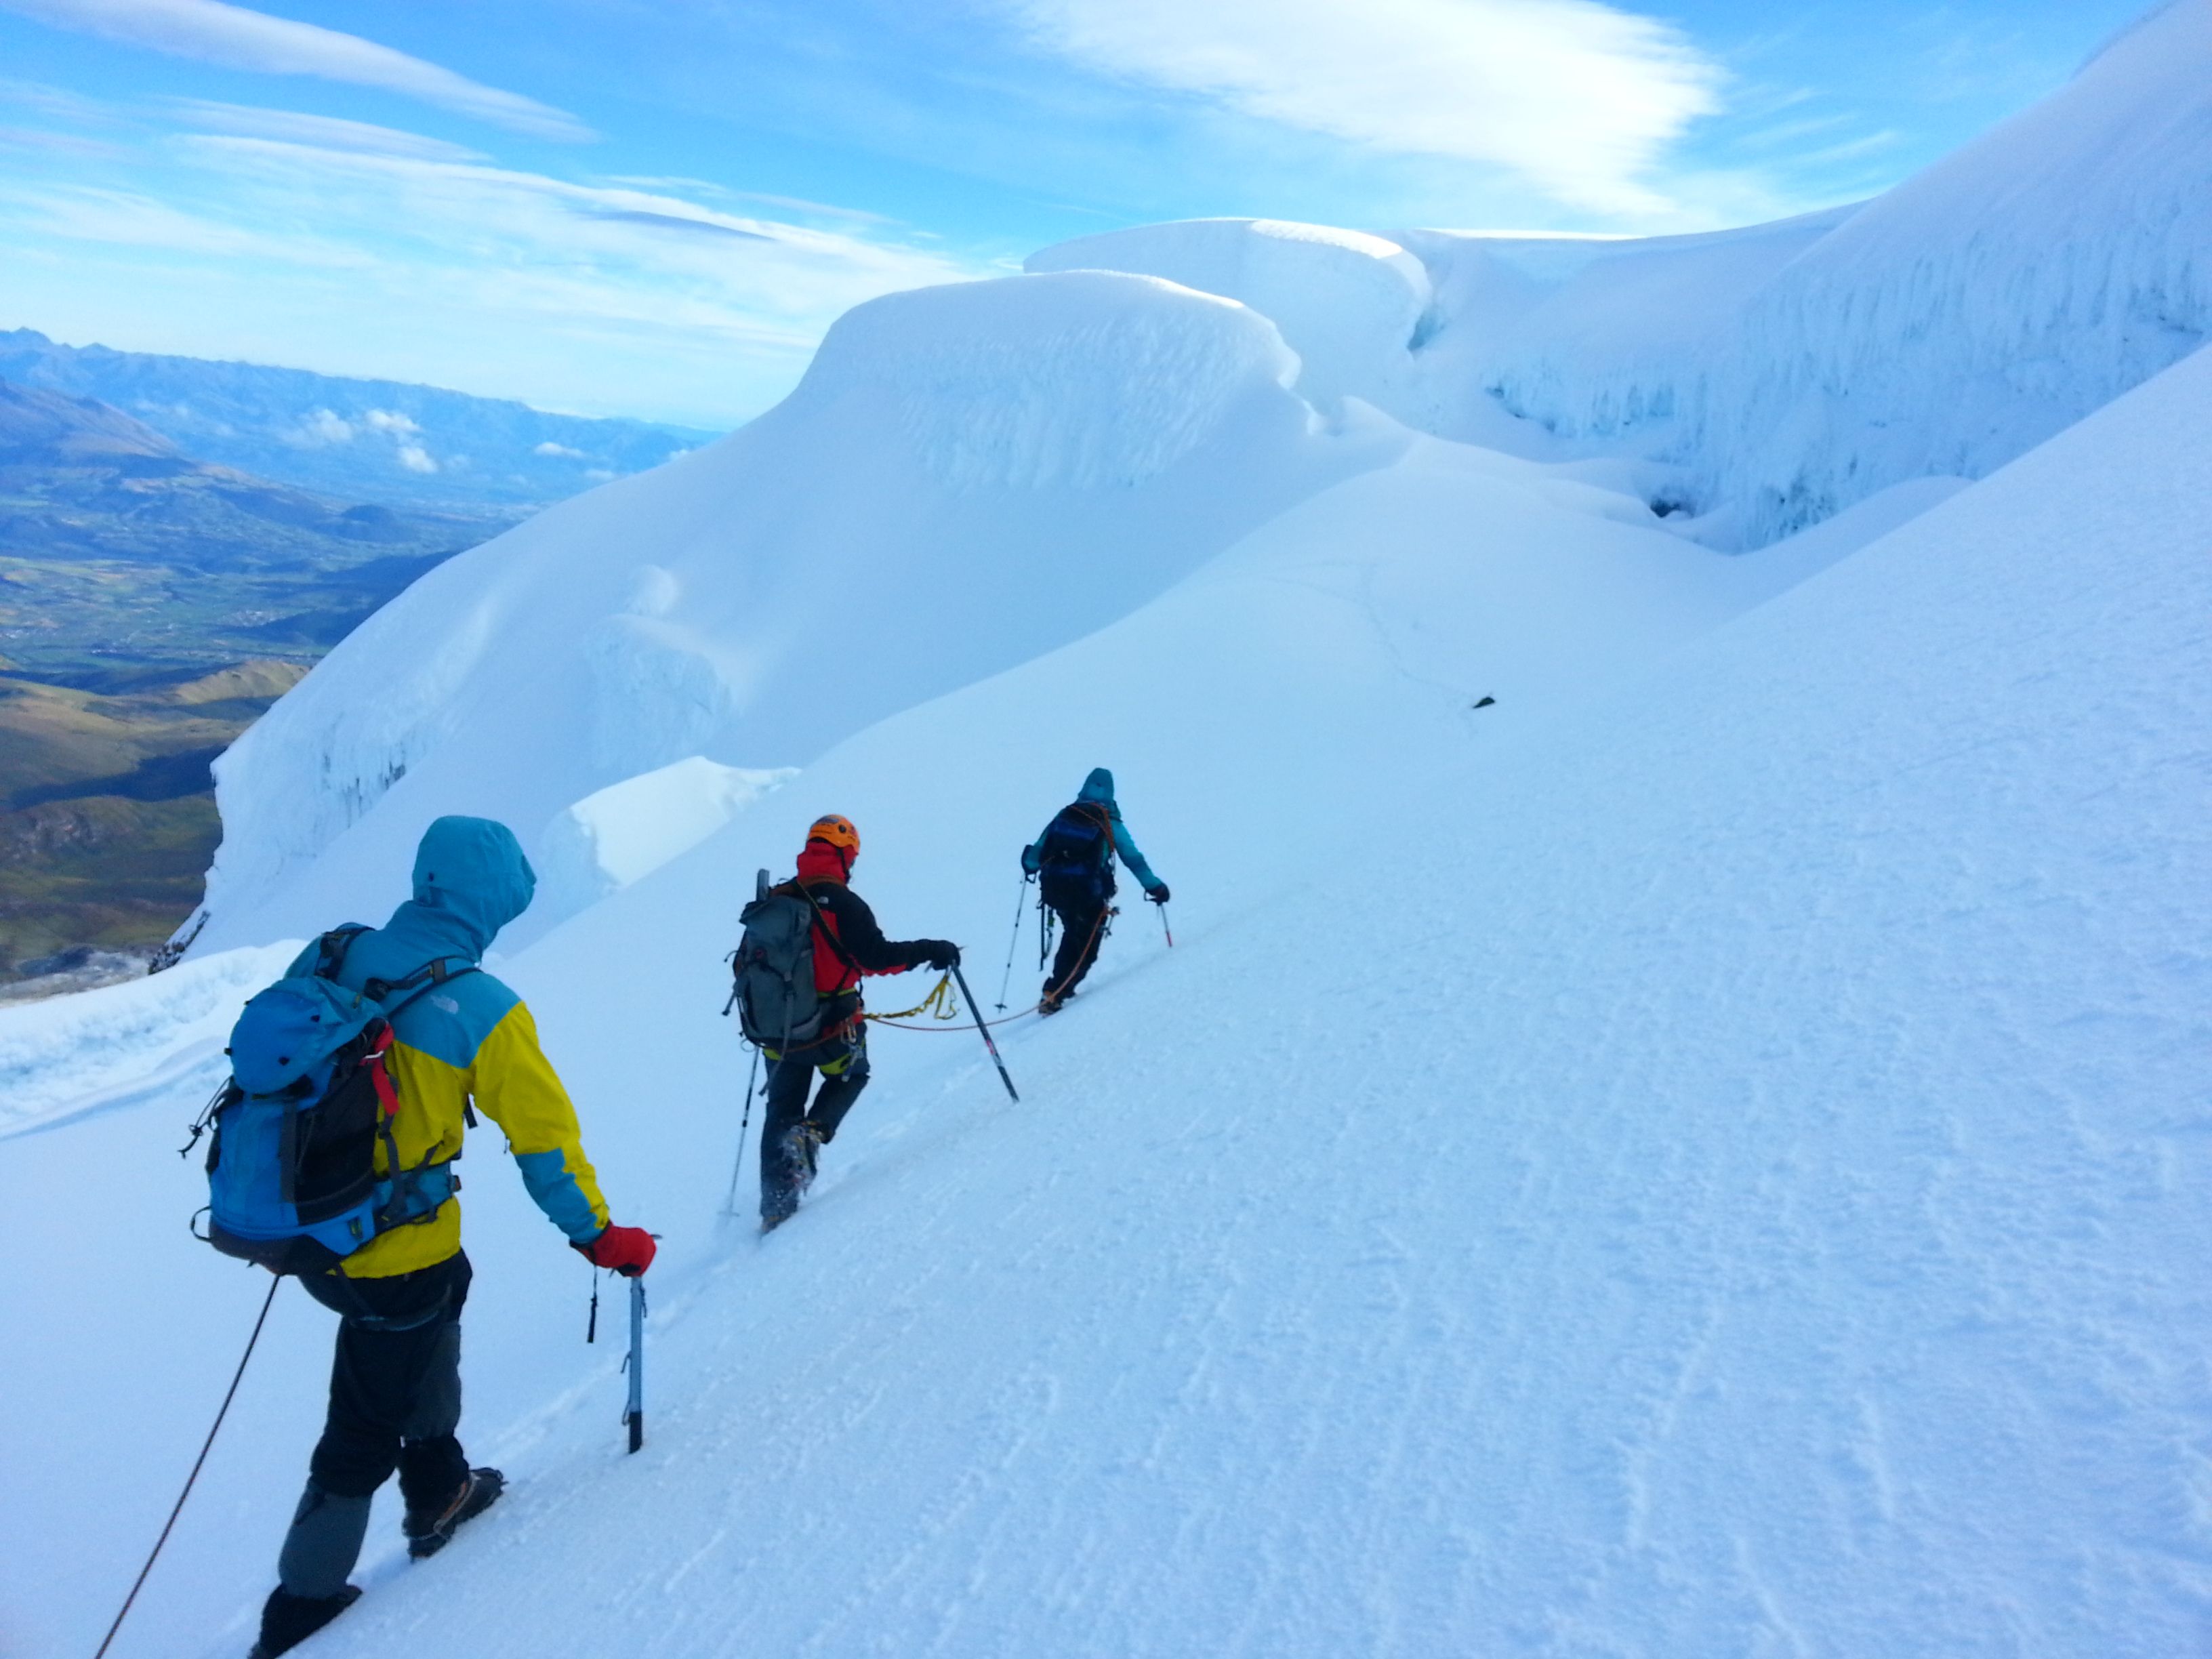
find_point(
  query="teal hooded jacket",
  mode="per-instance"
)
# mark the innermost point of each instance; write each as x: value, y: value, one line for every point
x: 469, y: 1039
x: 1098, y: 790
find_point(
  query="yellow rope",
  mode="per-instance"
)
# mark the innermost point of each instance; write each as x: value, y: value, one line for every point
x: 942, y: 1003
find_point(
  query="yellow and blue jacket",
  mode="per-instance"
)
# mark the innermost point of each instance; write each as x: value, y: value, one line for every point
x: 468, y: 1038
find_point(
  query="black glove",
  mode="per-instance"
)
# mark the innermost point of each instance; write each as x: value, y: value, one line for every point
x: 1157, y: 893
x: 938, y: 954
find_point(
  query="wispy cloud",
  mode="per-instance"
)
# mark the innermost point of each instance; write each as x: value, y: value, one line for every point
x: 459, y: 272
x: 238, y: 38
x: 679, y: 222
x: 1579, y: 97
x: 42, y: 140
x: 330, y: 132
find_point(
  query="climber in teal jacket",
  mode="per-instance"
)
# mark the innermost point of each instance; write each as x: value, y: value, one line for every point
x: 1073, y: 862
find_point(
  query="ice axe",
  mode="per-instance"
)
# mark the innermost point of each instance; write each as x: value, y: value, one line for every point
x: 634, y: 1413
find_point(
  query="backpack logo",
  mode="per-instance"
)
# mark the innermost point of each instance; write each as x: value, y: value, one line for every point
x: 292, y: 1176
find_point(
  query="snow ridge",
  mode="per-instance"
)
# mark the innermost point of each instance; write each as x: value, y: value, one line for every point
x: 1780, y: 373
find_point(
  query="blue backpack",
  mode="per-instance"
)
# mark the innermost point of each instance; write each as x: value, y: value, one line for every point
x: 292, y: 1179
x: 1075, y: 857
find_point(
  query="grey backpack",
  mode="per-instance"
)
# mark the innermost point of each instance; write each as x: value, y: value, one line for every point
x: 778, y: 1008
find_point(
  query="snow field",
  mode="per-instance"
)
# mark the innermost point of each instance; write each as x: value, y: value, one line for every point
x: 1749, y: 1203
x: 968, y: 477
x: 1706, y: 1155
x: 1761, y: 1218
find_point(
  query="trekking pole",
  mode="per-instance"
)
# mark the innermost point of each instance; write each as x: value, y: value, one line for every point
x: 198, y: 1463
x: 975, y: 1009
x: 1020, y: 901
x: 635, y: 1415
x: 730, y: 1204
x: 1165, y: 928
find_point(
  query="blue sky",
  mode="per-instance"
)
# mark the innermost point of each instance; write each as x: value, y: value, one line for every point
x: 655, y: 207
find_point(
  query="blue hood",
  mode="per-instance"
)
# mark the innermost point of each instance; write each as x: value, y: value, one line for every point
x: 470, y: 880
x: 1099, y: 786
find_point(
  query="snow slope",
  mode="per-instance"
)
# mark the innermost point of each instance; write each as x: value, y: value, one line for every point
x: 1750, y: 1203
x: 1705, y: 1155
x: 1767, y: 1219
x: 967, y: 476
x: 1784, y: 372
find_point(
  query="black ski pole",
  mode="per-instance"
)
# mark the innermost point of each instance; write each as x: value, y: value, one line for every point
x: 730, y: 1204
x: 1007, y: 978
x: 635, y: 1416
x: 984, y: 1031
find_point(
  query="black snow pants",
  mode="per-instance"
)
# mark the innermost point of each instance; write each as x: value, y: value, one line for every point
x: 395, y: 1403
x: 1082, y: 931
x: 785, y: 1168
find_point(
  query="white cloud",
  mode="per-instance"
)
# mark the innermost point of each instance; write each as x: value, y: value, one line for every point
x: 320, y: 427
x: 416, y: 458
x: 550, y: 449
x: 391, y: 421
x: 215, y: 32
x: 1578, y: 97
x: 326, y: 131
x: 579, y: 250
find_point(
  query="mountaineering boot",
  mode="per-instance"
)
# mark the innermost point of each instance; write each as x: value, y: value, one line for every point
x: 1053, y: 1004
x: 429, y: 1530
x: 805, y: 1142
x: 801, y: 1143
x: 287, y: 1619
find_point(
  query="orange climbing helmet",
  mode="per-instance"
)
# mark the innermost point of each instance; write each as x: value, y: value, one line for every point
x: 837, y: 832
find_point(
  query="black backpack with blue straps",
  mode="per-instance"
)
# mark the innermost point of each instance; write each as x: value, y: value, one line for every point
x: 1075, y: 856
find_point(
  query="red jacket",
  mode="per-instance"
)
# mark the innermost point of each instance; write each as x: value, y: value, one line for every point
x: 856, y: 945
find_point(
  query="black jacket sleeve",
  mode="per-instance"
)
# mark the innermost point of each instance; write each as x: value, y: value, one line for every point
x: 862, y: 941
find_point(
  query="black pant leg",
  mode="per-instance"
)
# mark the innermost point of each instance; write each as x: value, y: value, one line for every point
x: 1082, y: 931
x: 395, y: 1376
x: 789, y: 1080
x: 432, y: 1464
x: 841, y: 1087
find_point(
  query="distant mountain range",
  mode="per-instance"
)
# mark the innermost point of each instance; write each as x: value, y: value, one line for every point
x: 79, y: 479
x: 376, y: 442
x: 152, y: 604
x: 178, y: 541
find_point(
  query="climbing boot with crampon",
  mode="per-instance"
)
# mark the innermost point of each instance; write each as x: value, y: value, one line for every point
x: 430, y: 1531
x: 287, y: 1619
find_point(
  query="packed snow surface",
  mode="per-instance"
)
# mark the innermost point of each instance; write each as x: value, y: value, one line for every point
x: 1746, y: 1195
x: 1706, y: 1154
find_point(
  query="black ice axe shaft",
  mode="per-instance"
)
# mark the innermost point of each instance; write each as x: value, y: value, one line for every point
x: 982, y: 1031
x: 634, y: 1415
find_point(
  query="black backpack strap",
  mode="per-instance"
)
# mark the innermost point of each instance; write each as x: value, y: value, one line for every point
x: 420, y: 984
x: 331, y: 949
x: 821, y: 923
x: 424, y: 980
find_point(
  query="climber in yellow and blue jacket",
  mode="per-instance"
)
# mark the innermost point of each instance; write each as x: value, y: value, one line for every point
x: 395, y: 1386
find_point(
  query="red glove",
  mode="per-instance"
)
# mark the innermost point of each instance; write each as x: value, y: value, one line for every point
x: 628, y: 1250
